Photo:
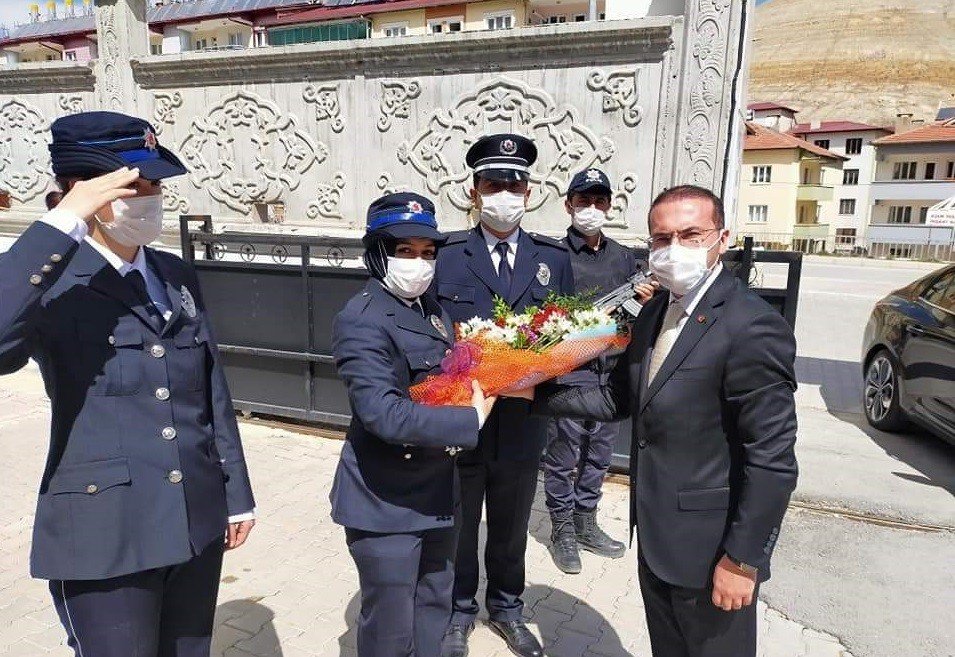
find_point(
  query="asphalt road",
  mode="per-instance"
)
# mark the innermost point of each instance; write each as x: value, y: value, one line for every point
x: 881, y: 574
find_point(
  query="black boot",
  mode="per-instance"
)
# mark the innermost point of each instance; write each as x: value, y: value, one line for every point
x: 563, y: 546
x: 591, y: 537
x: 455, y: 642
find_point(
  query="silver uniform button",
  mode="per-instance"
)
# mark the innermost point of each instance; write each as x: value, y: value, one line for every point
x: 36, y: 279
x: 56, y: 257
x: 407, y: 456
x: 168, y: 433
x: 174, y: 476
x: 111, y: 339
x: 162, y: 394
x: 92, y: 488
x: 158, y: 351
x: 46, y: 269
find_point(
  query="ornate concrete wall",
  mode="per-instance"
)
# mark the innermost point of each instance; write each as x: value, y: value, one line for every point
x: 326, y: 128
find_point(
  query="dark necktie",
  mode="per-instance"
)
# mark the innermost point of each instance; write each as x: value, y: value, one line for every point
x: 138, y: 283
x: 504, y: 270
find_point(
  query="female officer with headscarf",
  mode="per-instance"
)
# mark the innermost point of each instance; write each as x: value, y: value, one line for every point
x: 396, y: 486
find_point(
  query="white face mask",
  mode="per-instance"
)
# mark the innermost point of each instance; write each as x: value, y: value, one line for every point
x: 680, y: 268
x: 502, y: 212
x: 137, y: 221
x: 409, y: 278
x: 589, y: 220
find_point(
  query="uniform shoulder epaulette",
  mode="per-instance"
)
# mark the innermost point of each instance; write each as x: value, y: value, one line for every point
x: 548, y: 241
x: 457, y: 237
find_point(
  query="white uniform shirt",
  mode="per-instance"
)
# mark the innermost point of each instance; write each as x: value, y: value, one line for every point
x: 511, y: 241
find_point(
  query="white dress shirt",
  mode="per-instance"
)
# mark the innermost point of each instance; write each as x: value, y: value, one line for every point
x: 492, y: 243
x: 75, y: 227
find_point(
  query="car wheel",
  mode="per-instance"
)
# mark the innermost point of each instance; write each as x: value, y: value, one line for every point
x: 881, y: 395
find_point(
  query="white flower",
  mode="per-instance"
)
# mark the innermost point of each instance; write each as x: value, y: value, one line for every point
x: 556, y: 326
x: 584, y: 319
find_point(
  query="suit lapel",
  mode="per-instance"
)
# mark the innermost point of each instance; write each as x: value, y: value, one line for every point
x: 104, y: 278
x: 525, y: 268
x: 704, y: 316
x: 479, y: 262
x: 173, y: 281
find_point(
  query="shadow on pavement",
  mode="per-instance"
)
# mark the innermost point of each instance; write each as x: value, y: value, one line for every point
x: 839, y: 381
x: 266, y: 640
x: 553, y: 627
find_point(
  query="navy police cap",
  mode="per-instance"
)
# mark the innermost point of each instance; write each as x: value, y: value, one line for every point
x: 403, y: 215
x: 94, y: 143
x: 502, y: 157
x: 590, y: 180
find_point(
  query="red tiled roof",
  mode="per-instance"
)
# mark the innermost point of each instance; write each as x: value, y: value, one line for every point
x: 938, y: 133
x: 835, y: 126
x: 768, y: 106
x: 761, y: 138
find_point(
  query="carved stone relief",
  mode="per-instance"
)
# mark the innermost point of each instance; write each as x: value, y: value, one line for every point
x: 396, y: 97
x: 70, y: 104
x: 503, y: 104
x: 328, y: 200
x: 264, y: 135
x: 327, y: 107
x: 620, y: 93
x: 24, y: 156
x: 386, y: 185
x: 166, y: 103
x: 617, y: 216
x: 173, y: 201
x: 109, y: 57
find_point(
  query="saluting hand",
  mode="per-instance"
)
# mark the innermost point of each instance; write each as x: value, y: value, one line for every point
x: 237, y: 533
x: 87, y: 196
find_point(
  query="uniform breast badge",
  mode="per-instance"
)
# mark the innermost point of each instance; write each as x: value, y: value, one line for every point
x: 188, y: 303
x: 439, y: 325
x: 543, y: 273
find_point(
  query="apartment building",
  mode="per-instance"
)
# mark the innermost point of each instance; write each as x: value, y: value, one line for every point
x: 851, y: 201
x: 786, y: 190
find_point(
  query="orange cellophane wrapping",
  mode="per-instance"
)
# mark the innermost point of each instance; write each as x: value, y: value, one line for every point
x: 503, y: 368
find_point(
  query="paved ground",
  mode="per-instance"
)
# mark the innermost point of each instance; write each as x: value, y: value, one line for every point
x: 291, y: 591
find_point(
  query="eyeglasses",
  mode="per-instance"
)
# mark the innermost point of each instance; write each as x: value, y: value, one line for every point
x: 691, y: 237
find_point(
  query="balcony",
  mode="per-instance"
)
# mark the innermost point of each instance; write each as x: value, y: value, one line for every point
x: 912, y: 190
x: 816, y: 193
x: 810, y: 231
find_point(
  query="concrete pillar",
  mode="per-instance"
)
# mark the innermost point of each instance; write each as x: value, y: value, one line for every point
x: 592, y: 13
x: 12, y: 57
x: 122, y: 35
x: 174, y: 40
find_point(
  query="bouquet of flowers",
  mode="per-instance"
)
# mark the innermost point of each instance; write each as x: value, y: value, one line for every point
x: 513, y: 351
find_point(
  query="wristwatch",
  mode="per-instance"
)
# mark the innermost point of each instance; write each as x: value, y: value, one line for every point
x: 745, y: 567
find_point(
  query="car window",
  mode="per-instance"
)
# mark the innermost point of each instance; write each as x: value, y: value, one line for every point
x: 941, y: 293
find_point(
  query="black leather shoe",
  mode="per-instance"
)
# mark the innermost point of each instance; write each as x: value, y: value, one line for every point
x: 563, y: 545
x: 455, y: 641
x: 518, y: 638
x: 591, y: 537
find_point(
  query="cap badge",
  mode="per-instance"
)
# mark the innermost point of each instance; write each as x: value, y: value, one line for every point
x: 593, y: 175
x: 188, y: 303
x: 439, y: 325
x: 149, y: 140
x: 414, y: 206
x: 508, y: 147
x: 543, y: 273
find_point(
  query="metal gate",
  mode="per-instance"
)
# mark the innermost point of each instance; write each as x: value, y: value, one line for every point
x: 272, y: 299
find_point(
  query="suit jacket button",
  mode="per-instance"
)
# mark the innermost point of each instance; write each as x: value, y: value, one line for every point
x: 56, y: 257
x: 407, y: 456
x: 641, y: 443
x: 46, y: 269
x: 162, y: 394
x: 174, y: 476
x: 92, y: 488
x: 36, y: 279
x: 157, y: 351
x: 111, y: 339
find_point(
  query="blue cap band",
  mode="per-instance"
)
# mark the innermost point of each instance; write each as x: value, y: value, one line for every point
x: 139, y: 155
x: 423, y: 218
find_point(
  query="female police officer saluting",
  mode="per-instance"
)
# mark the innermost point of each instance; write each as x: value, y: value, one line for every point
x: 396, y: 487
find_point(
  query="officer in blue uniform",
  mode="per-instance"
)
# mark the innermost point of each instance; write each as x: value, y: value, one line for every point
x: 396, y: 490
x: 498, y: 258
x: 145, y: 465
x: 579, y: 451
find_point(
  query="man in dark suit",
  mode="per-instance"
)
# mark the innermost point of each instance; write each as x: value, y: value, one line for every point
x: 145, y: 481
x: 498, y: 258
x: 708, y: 380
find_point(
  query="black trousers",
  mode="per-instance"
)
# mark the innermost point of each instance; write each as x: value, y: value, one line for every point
x: 508, y: 489
x: 406, y: 582
x: 575, y: 464
x: 164, y: 612
x: 685, y: 623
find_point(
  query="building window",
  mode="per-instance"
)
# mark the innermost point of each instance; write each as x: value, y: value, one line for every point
x: 603, y: 17
x: 762, y: 174
x: 822, y: 143
x: 319, y: 33
x: 854, y: 146
x: 499, y: 21
x: 951, y: 170
x: 930, y: 171
x: 395, y: 30
x: 900, y: 214
x: 155, y: 48
x: 845, y: 237
x: 69, y: 55
x: 923, y: 214
x: 260, y: 39
x: 446, y: 25
x: 236, y: 40
x: 758, y: 214
x: 580, y: 18
x: 202, y: 44
x: 904, y: 171
x: 850, y: 177
x: 554, y: 20
x: 847, y: 206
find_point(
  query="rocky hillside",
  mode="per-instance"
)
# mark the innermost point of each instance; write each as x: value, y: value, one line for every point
x: 864, y: 60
